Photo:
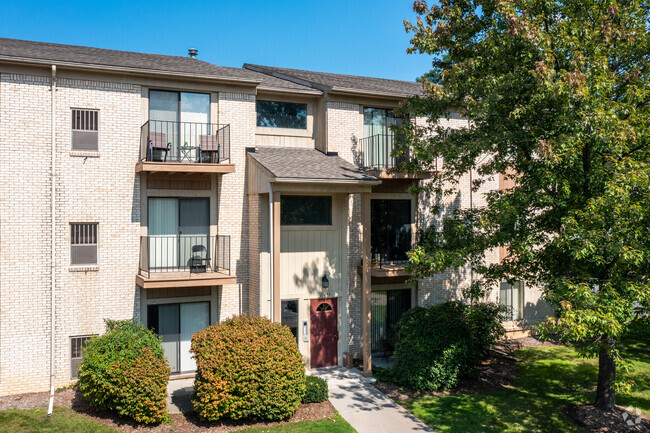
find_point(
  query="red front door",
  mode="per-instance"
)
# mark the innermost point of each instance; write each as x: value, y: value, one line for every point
x: 324, y: 333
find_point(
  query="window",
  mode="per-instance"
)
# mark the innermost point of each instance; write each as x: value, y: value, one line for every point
x: 76, y: 348
x: 272, y: 114
x: 85, y: 129
x: 512, y: 296
x: 390, y: 227
x: 83, y: 243
x: 297, y: 210
x: 290, y: 316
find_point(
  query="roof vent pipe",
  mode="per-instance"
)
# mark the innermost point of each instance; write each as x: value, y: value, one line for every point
x: 192, y: 52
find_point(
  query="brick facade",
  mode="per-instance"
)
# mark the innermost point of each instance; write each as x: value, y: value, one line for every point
x: 102, y: 187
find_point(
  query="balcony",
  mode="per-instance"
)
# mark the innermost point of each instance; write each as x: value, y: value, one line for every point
x: 184, y: 261
x: 378, y: 160
x: 184, y: 147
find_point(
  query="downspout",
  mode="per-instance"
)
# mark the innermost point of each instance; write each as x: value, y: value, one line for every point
x: 53, y: 239
x: 471, y: 207
x: 271, y: 249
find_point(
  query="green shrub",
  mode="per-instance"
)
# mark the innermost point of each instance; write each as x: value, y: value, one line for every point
x: 439, y: 344
x: 485, y: 320
x: 434, y: 345
x: 247, y: 367
x: 125, y: 370
x: 317, y: 390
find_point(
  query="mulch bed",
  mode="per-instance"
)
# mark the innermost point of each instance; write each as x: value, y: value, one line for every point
x: 181, y: 423
x: 596, y: 421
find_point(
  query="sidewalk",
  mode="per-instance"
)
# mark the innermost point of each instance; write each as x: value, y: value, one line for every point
x: 366, y: 408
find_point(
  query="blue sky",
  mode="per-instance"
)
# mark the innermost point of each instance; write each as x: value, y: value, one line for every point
x: 349, y: 37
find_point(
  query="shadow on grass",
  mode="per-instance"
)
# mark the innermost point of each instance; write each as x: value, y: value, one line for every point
x: 550, y: 379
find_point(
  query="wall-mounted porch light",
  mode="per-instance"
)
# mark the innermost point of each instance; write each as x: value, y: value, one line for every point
x: 326, y: 282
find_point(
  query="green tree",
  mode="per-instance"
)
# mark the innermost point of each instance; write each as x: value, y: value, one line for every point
x: 557, y: 94
x: 435, y: 73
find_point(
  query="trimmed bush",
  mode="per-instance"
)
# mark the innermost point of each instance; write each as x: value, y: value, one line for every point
x: 247, y: 367
x: 485, y: 320
x: 434, y: 346
x: 439, y: 344
x: 317, y: 390
x: 125, y: 370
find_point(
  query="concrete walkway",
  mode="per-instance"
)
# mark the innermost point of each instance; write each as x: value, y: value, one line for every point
x: 366, y: 408
x: 178, y: 395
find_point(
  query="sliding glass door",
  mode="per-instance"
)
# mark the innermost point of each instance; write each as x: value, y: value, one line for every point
x: 386, y: 308
x: 377, y: 124
x: 180, y: 119
x: 176, y: 323
x: 179, y: 232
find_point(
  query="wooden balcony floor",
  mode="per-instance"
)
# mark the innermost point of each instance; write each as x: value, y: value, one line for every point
x: 183, y: 167
x: 161, y: 279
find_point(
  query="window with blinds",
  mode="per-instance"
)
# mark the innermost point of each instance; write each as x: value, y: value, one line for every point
x: 83, y: 243
x: 85, y: 129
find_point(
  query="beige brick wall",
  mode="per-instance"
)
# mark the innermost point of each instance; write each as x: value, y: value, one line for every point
x: 344, y: 122
x: 238, y: 110
x: 100, y: 187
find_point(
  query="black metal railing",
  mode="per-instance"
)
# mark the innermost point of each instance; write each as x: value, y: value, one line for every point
x: 380, y: 257
x: 378, y: 152
x: 167, y: 141
x: 184, y: 253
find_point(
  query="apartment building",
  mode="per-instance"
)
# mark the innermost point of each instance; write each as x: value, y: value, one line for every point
x: 180, y: 193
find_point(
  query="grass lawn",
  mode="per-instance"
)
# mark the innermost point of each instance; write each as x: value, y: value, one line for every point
x: 332, y: 425
x: 36, y: 421
x: 550, y: 378
x: 66, y: 420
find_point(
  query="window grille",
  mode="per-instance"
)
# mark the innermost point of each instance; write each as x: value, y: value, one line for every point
x: 83, y: 243
x: 85, y: 129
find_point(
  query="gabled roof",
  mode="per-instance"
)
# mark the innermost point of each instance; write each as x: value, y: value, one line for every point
x: 99, y: 58
x: 329, y: 82
x: 285, y: 164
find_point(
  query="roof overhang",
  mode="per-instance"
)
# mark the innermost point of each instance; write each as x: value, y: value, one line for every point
x: 128, y: 70
x: 261, y: 181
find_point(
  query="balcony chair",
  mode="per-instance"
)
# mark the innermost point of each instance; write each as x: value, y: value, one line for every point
x: 158, y: 146
x: 199, y: 260
x: 209, y: 148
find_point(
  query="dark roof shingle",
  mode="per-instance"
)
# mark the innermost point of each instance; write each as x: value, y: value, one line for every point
x: 329, y: 81
x: 44, y: 51
x: 293, y: 163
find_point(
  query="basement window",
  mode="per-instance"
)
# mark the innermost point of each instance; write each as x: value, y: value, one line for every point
x: 83, y: 243
x: 85, y: 130
x: 76, y: 348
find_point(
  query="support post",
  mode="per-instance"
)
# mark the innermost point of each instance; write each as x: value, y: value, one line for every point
x: 365, y: 289
x: 276, y: 258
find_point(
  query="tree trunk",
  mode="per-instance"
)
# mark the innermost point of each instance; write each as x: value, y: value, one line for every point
x: 605, y: 396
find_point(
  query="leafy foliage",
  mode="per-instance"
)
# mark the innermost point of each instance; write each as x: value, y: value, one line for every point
x: 125, y: 370
x: 439, y: 344
x: 247, y: 366
x: 558, y: 100
x: 316, y: 391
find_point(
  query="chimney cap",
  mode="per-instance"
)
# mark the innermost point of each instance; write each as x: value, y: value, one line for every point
x: 192, y: 52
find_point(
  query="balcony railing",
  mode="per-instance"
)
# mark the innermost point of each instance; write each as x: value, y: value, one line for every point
x: 378, y: 152
x: 184, y: 253
x: 187, y: 142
